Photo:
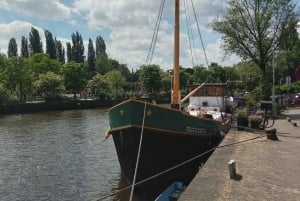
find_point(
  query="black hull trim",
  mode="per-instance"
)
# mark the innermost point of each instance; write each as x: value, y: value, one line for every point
x: 160, y: 152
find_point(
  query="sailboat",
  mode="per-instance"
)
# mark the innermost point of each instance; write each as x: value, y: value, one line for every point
x: 167, y: 143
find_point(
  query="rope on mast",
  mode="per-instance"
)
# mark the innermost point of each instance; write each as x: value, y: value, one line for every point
x: 200, y: 34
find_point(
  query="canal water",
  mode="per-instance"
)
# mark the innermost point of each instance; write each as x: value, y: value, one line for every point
x: 60, y: 155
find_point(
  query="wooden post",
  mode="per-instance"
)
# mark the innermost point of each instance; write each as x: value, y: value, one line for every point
x: 232, y: 169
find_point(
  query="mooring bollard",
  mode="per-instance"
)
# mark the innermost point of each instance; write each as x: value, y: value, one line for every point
x: 232, y: 169
x: 271, y: 134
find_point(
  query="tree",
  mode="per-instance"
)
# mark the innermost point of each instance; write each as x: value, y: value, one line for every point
x: 252, y: 29
x: 250, y: 76
x: 60, y: 51
x: 116, y: 81
x: 100, y: 46
x: 166, y: 83
x: 12, y: 48
x: 3, y: 59
x: 98, y: 85
x: 41, y: 64
x: 91, y: 59
x: 74, y: 77
x: 35, y: 44
x: 217, y: 74
x: 184, y: 78
x: 289, y: 55
x: 50, y: 45
x: 103, y: 64
x: 16, y: 77
x: 201, y: 74
x: 150, y: 77
x: 49, y: 84
x: 69, y: 52
x: 77, y: 48
x: 24, y: 47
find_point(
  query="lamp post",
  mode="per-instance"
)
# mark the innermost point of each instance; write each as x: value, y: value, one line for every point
x: 273, y: 84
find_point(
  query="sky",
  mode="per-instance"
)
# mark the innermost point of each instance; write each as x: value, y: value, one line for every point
x: 125, y: 25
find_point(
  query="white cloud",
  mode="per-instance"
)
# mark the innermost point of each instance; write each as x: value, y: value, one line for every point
x: 129, y: 24
x: 36, y: 8
x: 15, y: 29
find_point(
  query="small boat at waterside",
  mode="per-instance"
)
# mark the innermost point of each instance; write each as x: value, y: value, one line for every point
x: 172, y: 193
x: 158, y: 145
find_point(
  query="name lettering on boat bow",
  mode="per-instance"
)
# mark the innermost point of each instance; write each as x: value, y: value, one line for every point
x: 190, y: 129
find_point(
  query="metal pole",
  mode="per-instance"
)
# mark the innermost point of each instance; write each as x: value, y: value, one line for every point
x: 273, y: 85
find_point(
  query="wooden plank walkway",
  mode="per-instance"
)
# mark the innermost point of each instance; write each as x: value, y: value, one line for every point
x: 266, y: 169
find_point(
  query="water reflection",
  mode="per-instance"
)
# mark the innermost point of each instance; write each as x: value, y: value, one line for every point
x: 60, y: 155
x: 57, y: 156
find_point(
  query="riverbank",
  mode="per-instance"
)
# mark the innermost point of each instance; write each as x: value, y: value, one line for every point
x: 265, y: 169
x: 42, y: 106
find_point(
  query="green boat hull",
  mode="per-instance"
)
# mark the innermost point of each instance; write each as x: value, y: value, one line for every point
x: 170, y: 137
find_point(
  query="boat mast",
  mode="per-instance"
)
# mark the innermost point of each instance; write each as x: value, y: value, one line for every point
x: 176, y: 92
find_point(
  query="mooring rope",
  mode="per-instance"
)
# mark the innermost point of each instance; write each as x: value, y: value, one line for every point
x: 138, y: 155
x: 185, y: 162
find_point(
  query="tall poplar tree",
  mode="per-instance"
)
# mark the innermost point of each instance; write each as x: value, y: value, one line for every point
x: 24, y: 47
x: 69, y: 52
x: 50, y: 45
x: 100, y: 46
x: 35, y: 43
x: 77, y: 48
x: 91, y: 59
x: 12, y: 48
x: 102, y: 61
x: 60, y: 51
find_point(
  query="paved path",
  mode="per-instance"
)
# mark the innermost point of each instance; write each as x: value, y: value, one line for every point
x: 267, y: 170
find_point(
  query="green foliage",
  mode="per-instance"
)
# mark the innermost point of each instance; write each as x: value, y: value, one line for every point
x: 35, y: 44
x: 100, y: 46
x: 150, y: 77
x: 41, y: 64
x: 60, y: 51
x: 49, y: 84
x: 74, y: 74
x: 249, y: 74
x: 16, y: 77
x: 3, y: 93
x: 251, y: 32
x: 103, y: 65
x: 50, y: 45
x: 255, y: 96
x: 116, y: 81
x: 98, y: 85
x: 166, y: 82
x: 24, y: 47
x: 12, y: 48
x: 69, y: 52
x: 184, y: 78
x: 91, y: 60
x: 254, y: 30
x: 77, y: 48
x: 242, y: 114
x: 200, y: 75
